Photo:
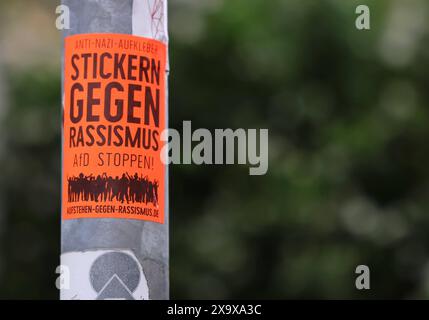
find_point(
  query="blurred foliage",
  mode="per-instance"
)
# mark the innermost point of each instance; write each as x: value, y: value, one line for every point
x: 30, y: 185
x: 347, y: 181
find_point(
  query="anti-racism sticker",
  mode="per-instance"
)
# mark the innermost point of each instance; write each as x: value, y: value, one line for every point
x: 114, y: 113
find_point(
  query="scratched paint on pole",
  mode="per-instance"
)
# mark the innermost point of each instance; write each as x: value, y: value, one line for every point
x: 114, y: 113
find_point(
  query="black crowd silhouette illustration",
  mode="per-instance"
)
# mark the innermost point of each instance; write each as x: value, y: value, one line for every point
x: 103, y: 188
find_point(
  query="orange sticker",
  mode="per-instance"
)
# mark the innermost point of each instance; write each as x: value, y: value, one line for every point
x: 114, y: 113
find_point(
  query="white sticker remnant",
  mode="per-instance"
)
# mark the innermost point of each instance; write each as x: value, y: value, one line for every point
x: 150, y: 19
x: 104, y: 275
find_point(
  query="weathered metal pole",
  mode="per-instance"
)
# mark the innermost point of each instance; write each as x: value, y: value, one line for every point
x: 114, y: 229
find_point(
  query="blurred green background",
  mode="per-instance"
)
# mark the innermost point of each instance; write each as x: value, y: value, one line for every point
x: 347, y: 182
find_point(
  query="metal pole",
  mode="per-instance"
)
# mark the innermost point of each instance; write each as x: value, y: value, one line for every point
x: 115, y: 258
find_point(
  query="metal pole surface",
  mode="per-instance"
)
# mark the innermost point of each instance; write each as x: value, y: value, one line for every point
x: 111, y: 258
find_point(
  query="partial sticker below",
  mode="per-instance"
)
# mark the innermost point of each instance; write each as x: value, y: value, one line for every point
x: 104, y: 275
